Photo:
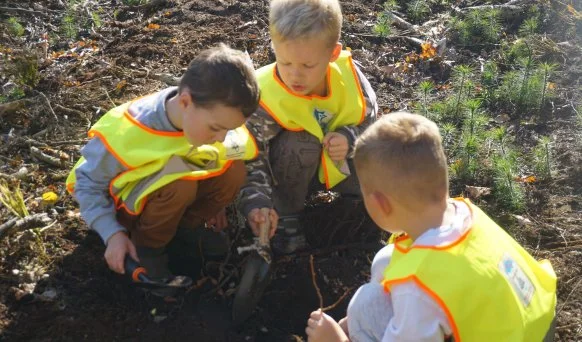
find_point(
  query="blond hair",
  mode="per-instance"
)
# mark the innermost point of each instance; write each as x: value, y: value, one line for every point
x: 298, y: 19
x: 402, y: 155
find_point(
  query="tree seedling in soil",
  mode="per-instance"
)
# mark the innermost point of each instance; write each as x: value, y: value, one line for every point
x: 425, y: 88
x: 507, y: 191
x: 546, y: 70
x: 14, y: 27
x: 463, y: 87
x: 418, y: 10
x: 480, y: 27
x: 542, y: 159
x: 382, y: 27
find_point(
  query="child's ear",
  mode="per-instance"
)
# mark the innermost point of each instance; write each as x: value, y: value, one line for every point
x: 336, y: 52
x: 185, y: 99
x: 382, y: 202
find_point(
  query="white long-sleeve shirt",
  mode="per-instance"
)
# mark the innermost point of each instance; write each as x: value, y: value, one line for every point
x: 407, y: 313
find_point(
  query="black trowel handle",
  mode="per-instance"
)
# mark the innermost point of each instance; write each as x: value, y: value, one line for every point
x: 133, y: 269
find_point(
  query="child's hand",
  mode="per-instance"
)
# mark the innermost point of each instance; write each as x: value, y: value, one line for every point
x: 118, y: 245
x: 255, y: 219
x: 218, y: 222
x: 336, y: 145
x: 321, y: 327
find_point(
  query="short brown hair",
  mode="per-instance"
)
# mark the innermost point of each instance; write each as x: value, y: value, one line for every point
x: 297, y: 19
x: 222, y: 75
x: 402, y: 154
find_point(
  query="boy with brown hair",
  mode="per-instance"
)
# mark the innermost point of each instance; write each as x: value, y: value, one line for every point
x: 315, y: 101
x: 169, y: 159
x: 454, y: 273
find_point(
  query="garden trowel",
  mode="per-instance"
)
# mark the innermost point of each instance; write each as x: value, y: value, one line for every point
x: 256, y: 274
x: 140, y: 277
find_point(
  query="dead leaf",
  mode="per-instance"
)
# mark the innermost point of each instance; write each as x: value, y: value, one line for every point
x: 121, y: 84
x: 526, y: 179
x: 551, y: 86
x: 428, y: 50
x: 574, y: 12
x: 153, y: 26
x: 476, y: 192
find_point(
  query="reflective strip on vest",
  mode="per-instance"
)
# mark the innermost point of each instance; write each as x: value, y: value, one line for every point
x: 487, y: 285
x: 345, y: 102
x: 151, y: 166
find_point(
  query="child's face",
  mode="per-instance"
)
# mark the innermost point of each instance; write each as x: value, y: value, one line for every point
x: 208, y: 125
x: 302, y: 64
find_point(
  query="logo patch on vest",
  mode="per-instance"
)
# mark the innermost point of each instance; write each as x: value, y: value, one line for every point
x: 520, y: 282
x: 234, y: 145
x: 323, y: 118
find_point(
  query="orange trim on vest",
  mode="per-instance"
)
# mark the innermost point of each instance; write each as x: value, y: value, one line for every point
x: 210, y: 175
x: 271, y: 114
x: 360, y: 93
x: 253, y: 140
x: 93, y: 133
x: 133, y: 120
x: 387, y: 283
x: 325, y: 174
x: 307, y: 97
x: 438, y: 248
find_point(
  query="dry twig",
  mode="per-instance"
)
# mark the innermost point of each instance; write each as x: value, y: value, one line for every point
x: 315, y: 282
x: 38, y: 154
x: 329, y: 307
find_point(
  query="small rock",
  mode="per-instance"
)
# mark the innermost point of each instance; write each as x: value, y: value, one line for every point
x: 264, y: 330
x: 476, y: 192
x: 523, y: 221
x: 158, y: 319
x: 15, y: 272
x: 45, y: 275
x: 50, y: 294
x: 502, y: 118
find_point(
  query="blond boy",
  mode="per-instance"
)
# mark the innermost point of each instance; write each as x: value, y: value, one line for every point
x: 454, y: 274
x: 314, y: 103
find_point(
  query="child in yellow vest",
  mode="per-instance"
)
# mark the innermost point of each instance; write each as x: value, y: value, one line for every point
x: 168, y: 159
x: 314, y: 103
x: 454, y: 274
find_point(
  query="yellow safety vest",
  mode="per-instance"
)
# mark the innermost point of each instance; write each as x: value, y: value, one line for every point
x: 154, y: 158
x: 344, y: 101
x: 488, y: 286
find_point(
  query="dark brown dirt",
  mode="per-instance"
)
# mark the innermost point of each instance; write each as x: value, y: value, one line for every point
x: 124, y: 59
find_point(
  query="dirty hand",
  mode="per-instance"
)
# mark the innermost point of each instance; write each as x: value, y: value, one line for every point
x: 218, y: 222
x: 336, y: 145
x: 255, y: 219
x: 321, y: 327
x: 118, y: 245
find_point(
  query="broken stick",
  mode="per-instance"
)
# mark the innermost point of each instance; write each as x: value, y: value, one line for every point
x: 27, y: 222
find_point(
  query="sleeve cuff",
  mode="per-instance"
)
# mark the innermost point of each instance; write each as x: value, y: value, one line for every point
x: 106, y: 226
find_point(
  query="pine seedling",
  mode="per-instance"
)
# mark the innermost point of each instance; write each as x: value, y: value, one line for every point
x: 14, y: 27
x: 507, y: 191
x: 448, y: 133
x: 463, y: 86
x: 382, y: 27
x: 490, y: 81
x: 546, y: 70
x: 529, y: 27
x: 418, y: 10
x: 542, y: 159
x: 425, y: 88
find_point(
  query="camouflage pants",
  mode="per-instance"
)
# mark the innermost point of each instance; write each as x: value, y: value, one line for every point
x: 295, y: 158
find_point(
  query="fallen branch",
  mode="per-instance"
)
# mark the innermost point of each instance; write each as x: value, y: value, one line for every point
x: 11, y: 107
x: 49, y: 105
x: 27, y: 222
x: 507, y: 9
x: 18, y: 9
x: 401, y: 23
x: 315, y: 282
x: 38, y: 154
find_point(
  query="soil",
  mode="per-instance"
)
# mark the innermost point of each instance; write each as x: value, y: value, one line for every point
x: 54, y: 284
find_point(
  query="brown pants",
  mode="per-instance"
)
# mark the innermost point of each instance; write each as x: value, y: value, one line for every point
x: 192, y: 202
